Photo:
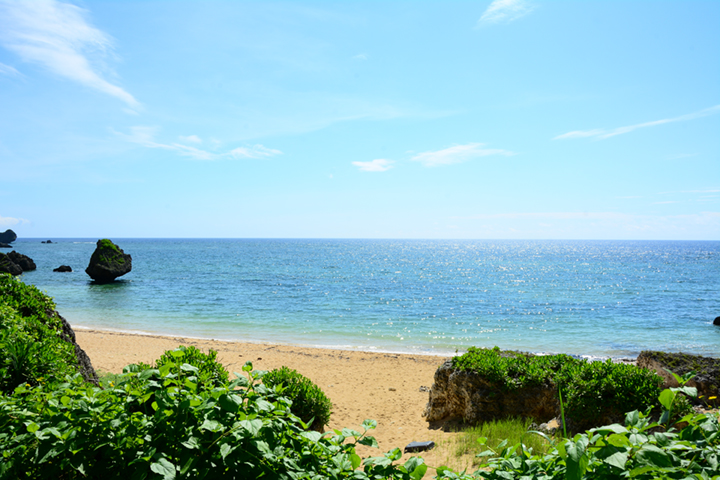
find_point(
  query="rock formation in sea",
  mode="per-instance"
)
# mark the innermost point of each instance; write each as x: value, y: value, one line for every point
x: 23, y: 261
x: 716, y: 321
x: 707, y: 370
x: 63, y: 268
x: 108, y: 262
x: 8, y: 266
x: 5, y: 245
x: 8, y: 236
x: 47, y: 241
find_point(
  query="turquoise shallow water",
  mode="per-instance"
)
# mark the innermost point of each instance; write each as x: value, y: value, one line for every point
x: 594, y: 298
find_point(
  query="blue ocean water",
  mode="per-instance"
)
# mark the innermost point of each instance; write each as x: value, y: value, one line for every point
x: 594, y: 298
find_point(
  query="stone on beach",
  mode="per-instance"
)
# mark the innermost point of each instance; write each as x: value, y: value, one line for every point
x: 108, y: 262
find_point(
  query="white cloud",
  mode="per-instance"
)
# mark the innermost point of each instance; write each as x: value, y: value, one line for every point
x: 505, y: 11
x: 361, y: 56
x: 457, y: 154
x: 190, y: 139
x: 9, y: 71
x: 377, y: 165
x: 145, y: 136
x: 11, y: 222
x: 59, y: 37
x: 601, y: 134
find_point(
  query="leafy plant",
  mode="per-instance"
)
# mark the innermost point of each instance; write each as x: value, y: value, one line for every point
x: 592, y: 391
x: 309, y: 402
x: 210, y: 373
x: 238, y: 430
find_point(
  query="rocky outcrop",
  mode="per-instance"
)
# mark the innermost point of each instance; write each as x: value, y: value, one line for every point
x: 707, y: 370
x: 108, y: 262
x: 86, y: 368
x: 23, y: 261
x: 5, y: 245
x: 8, y: 236
x: 8, y: 266
x: 46, y: 241
x: 63, y: 268
x: 716, y: 321
x: 470, y: 397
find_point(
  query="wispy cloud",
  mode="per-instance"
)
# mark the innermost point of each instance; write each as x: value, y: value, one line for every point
x: 600, y: 134
x: 11, y: 222
x: 457, y: 154
x: 9, y: 71
x: 145, y: 136
x: 59, y: 37
x: 377, y: 165
x: 190, y: 138
x: 505, y: 11
x: 361, y: 56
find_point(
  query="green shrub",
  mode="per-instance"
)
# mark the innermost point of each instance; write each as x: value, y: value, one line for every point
x: 308, y: 400
x: 592, y: 391
x: 210, y: 373
x: 31, y: 347
x: 239, y: 430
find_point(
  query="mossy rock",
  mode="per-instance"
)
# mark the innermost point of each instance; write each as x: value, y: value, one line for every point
x: 108, y: 262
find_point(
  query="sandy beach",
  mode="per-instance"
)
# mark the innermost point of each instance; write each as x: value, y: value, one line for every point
x: 385, y: 387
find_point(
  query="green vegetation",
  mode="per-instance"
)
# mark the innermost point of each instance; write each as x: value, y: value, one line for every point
x: 210, y: 372
x: 479, y: 438
x: 31, y: 346
x: 591, y: 390
x: 110, y: 252
x: 308, y: 400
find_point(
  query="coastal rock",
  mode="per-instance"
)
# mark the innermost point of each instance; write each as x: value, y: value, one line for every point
x: 472, y: 398
x: 716, y: 321
x: 8, y: 236
x: 23, y: 261
x: 46, y: 241
x: 707, y: 369
x: 5, y: 245
x: 63, y: 268
x: 108, y: 262
x: 86, y: 368
x: 8, y: 266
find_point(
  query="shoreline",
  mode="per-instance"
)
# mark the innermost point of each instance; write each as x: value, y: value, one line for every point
x: 390, y: 388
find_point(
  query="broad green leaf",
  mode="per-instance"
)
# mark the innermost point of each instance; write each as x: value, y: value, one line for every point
x: 618, y: 440
x: 212, y: 425
x: 32, y: 427
x: 225, y: 450
x: 65, y: 400
x: 666, y: 398
x: 355, y: 460
x: 312, y: 436
x: 614, y: 428
x: 369, y: 441
x: 191, y: 443
x: 252, y: 426
x: 618, y: 460
x: 186, y: 367
x: 393, y: 454
x: 369, y: 424
x: 419, y: 472
x: 177, y: 353
x: 165, y: 468
x: 230, y: 402
x: 632, y: 419
x: 247, y: 367
x: 652, y: 455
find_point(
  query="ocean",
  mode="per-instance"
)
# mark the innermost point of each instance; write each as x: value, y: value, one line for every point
x: 585, y: 298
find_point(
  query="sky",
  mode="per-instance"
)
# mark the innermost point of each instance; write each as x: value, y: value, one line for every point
x: 504, y: 119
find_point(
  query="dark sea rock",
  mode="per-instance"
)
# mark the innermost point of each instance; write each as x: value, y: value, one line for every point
x: 8, y: 266
x: 63, y: 268
x: 8, y: 236
x: 108, y: 262
x: 5, y: 245
x: 23, y: 261
x: 716, y: 321
x: 46, y: 241
x: 707, y: 370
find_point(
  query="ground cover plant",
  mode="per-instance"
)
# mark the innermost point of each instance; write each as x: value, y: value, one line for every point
x: 309, y: 402
x: 31, y: 347
x: 591, y: 391
x: 158, y: 423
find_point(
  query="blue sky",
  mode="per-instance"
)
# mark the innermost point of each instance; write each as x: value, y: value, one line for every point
x: 487, y: 119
